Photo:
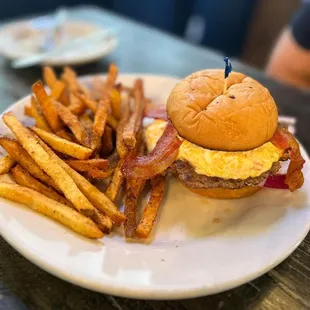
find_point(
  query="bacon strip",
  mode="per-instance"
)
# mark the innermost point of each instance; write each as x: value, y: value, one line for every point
x: 283, y: 139
x: 156, y: 111
x: 162, y: 157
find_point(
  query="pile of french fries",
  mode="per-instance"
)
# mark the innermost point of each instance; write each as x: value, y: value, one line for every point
x: 81, y: 134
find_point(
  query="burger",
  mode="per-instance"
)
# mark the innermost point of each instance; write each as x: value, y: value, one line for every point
x: 220, y: 143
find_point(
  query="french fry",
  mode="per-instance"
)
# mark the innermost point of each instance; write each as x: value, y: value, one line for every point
x: 151, y: 210
x: 50, y: 208
x: 133, y: 189
x: 103, y: 222
x: 107, y: 144
x: 22, y: 177
x: 95, y: 173
x: 62, y: 133
x: 49, y: 76
x: 37, y: 115
x: 19, y: 154
x: 84, y: 165
x: 97, y: 198
x: 50, y: 166
x: 76, y: 106
x: 28, y: 110
x: 70, y: 78
x: 63, y: 146
x: 90, y: 103
x: 6, y: 163
x: 99, y: 123
x: 47, y: 107
x: 120, y: 145
x: 97, y: 87
x: 135, y: 121
x: 57, y: 90
x: 116, y: 182
x: 73, y: 123
x: 116, y: 103
x: 86, y: 122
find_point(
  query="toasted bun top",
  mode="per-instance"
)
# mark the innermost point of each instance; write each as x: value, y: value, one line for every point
x: 243, y: 118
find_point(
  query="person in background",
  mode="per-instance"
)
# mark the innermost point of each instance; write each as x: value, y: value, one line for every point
x: 290, y: 59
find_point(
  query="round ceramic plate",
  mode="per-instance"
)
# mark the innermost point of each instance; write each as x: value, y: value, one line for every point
x: 19, y: 40
x: 199, y: 246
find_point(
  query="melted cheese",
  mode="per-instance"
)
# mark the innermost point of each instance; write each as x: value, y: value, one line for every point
x: 225, y: 165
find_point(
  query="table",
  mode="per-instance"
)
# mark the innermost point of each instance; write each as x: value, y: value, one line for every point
x: 146, y: 50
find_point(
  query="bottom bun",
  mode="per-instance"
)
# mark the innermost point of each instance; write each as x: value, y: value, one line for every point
x: 225, y: 193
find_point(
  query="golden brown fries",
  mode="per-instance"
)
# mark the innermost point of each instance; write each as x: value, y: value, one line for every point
x: 73, y: 123
x: 91, y: 104
x: 6, y: 163
x: 133, y: 189
x: 50, y: 208
x: 99, y: 123
x: 95, y: 173
x: 31, y: 144
x: 76, y: 106
x: 103, y: 222
x: 65, y: 135
x: 134, y: 123
x: 107, y: 144
x: 112, y: 121
x: 116, y: 182
x: 38, y: 117
x: 28, y: 110
x: 84, y: 165
x: 57, y: 90
x: 49, y: 77
x: 116, y: 103
x: 47, y: 107
x: 22, y: 177
x: 70, y: 78
x: 95, y: 196
x: 120, y: 145
x: 151, y: 210
x: 87, y: 123
x: 19, y: 154
x: 63, y: 146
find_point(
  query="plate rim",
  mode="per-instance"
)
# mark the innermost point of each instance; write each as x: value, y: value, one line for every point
x: 140, y: 291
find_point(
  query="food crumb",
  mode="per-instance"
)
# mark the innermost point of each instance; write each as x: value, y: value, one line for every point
x: 162, y: 260
x: 216, y: 220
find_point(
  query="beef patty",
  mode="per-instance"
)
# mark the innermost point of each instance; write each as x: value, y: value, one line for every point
x: 190, y: 178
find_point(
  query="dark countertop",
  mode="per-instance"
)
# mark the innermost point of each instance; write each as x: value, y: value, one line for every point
x: 143, y: 49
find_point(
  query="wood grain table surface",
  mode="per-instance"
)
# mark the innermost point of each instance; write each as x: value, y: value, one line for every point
x: 146, y: 50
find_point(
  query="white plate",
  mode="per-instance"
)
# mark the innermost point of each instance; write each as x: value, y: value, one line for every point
x: 16, y: 44
x: 191, y: 254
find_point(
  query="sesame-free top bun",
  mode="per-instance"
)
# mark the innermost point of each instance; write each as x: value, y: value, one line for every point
x: 243, y: 118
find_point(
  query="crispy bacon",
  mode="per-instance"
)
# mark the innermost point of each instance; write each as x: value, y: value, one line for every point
x: 276, y: 181
x: 156, y: 111
x: 284, y: 140
x: 162, y: 157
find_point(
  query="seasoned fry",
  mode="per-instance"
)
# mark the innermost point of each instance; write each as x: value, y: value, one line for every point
x: 70, y: 78
x: 64, y: 146
x: 76, y: 106
x: 111, y: 77
x: 87, y: 123
x: 6, y: 163
x: 28, y: 110
x: 97, y: 198
x: 73, y: 123
x: 116, y: 103
x: 47, y: 107
x: 116, y: 182
x: 134, y: 188
x: 91, y: 104
x: 37, y: 115
x: 99, y: 123
x: 64, y: 135
x: 95, y: 173
x: 18, y: 153
x: 107, y: 144
x: 84, y: 165
x: 120, y: 145
x: 22, y: 177
x: 97, y: 87
x: 49, y: 76
x: 135, y: 121
x: 49, y: 165
x: 50, y: 208
x: 151, y: 210
x: 57, y: 90
x: 103, y: 222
